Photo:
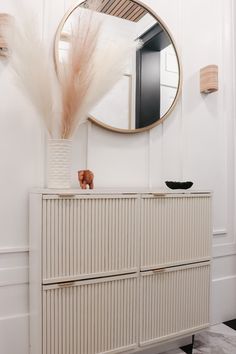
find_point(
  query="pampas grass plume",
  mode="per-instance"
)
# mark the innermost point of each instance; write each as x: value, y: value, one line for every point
x: 32, y: 68
x: 84, y: 78
x: 90, y: 71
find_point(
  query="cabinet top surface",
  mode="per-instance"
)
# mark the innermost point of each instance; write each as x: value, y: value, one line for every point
x: 125, y: 191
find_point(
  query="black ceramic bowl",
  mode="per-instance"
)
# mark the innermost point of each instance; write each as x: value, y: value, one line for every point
x: 179, y: 185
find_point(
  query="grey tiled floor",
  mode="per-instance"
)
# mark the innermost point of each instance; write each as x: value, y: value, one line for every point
x: 219, y: 339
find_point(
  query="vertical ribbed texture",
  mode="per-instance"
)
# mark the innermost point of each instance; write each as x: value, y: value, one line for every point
x: 88, y: 236
x: 175, y: 230
x: 173, y: 302
x: 59, y: 163
x: 90, y: 318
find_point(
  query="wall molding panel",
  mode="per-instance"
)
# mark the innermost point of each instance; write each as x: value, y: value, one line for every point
x: 14, y: 334
x: 223, y: 302
x: 224, y: 250
x: 224, y: 239
x: 220, y: 233
x: 9, y: 250
x: 14, y: 276
x: 14, y: 266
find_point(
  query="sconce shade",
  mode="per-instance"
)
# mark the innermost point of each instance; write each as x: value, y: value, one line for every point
x: 4, y: 21
x: 209, y: 79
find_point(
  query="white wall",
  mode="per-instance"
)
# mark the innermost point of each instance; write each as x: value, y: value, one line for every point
x: 196, y: 142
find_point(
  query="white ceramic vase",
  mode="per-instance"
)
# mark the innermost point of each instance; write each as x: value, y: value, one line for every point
x: 59, y: 155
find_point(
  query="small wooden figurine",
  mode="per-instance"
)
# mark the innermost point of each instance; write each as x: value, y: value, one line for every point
x: 86, y: 178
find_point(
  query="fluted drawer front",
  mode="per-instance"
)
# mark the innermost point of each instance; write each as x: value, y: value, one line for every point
x: 174, y: 303
x: 88, y: 237
x: 90, y: 317
x: 175, y: 230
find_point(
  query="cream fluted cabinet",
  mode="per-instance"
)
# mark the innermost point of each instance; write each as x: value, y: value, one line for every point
x: 117, y: 271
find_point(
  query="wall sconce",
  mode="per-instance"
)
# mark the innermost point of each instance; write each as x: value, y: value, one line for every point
x: 209, y: 79
x: 5, y: 20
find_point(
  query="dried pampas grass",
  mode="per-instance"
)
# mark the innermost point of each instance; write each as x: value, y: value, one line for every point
x: 32, y: 67
x: 87, y: 75
x: 77, y: 73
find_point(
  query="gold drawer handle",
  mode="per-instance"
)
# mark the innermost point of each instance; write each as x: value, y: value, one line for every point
x: 159, y: 195
x: 65, y: 195
x: 65, y: 285
x: 161, y: 270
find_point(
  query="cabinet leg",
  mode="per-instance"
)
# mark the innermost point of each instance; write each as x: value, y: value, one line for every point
x: 188, y: 349
x: 193, y: 338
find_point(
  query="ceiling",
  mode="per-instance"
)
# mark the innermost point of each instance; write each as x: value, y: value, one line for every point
x: 125, y: 9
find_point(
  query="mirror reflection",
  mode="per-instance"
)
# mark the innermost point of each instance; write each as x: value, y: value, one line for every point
x: 149, y: 86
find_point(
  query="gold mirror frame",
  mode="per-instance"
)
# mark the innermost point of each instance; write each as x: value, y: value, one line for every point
x: 166, y: 29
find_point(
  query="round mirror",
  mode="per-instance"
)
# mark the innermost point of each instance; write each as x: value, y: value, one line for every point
x: 151, y: 83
